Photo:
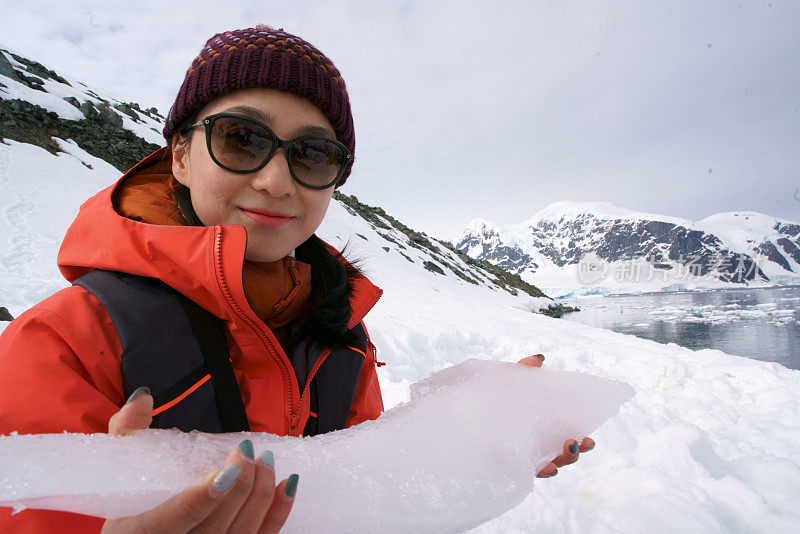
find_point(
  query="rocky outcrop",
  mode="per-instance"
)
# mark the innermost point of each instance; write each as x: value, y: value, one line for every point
x: 100, y: 132
x: 472, y: 270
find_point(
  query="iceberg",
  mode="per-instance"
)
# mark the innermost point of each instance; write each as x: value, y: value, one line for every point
x: 462, y: 451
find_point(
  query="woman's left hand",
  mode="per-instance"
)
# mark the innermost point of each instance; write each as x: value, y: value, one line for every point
x: 571, y: 447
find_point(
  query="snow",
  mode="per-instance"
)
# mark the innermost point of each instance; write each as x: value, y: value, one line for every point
x: 601, y: 210
x: 710, y: 442
x: 461, y: 452
x: 39, y: 197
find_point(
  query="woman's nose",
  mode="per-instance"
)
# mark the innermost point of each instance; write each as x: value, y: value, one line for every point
x: 275, y: 177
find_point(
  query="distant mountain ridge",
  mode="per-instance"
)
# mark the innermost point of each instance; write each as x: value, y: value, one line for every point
x: 63, y: 116
x: 738, y: 247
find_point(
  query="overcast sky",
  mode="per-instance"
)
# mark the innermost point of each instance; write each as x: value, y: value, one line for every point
x: 470, y: 109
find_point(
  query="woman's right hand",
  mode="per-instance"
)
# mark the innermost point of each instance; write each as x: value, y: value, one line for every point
x: 239, y: 497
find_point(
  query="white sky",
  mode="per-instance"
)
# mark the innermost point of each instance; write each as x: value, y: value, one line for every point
x: 494, y: 110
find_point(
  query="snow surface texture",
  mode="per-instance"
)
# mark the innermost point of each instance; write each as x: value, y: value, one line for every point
x: 710, y: 443
x: 461, y: 452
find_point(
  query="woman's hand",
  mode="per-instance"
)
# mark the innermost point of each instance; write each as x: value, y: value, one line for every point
x: 571, y: 447
x: 239, y: 497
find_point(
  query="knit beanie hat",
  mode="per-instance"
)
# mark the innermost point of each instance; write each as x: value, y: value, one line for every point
x: 269, y: 58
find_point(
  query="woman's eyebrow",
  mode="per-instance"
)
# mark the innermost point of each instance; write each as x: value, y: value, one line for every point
x: 268, y: 119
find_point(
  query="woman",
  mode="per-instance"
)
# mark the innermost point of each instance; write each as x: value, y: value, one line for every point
x: 259, y: 136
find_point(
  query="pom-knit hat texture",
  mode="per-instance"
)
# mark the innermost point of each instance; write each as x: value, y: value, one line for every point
x: 269, y: 58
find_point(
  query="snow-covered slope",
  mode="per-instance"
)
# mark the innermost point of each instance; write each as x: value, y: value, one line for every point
x: 594, y: 245
x: 759, y: 235
x: 710, y: 442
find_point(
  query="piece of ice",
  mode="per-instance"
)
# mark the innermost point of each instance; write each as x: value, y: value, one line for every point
x: 462, y: 451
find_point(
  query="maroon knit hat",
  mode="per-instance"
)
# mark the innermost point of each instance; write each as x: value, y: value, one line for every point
x: 265, y: 57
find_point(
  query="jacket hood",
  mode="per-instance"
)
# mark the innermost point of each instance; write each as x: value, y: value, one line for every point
x: 202, y: 262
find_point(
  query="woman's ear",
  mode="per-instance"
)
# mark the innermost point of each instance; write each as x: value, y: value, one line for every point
x: 180, y: 160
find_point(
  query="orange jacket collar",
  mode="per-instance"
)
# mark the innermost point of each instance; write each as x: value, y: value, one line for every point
x: 202, y: 262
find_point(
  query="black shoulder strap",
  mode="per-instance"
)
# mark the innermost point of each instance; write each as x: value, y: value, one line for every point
x: 173, y: 346
x: 209, y: 333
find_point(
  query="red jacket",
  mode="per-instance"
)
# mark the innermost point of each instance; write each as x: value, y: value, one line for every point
x: 60, y: 360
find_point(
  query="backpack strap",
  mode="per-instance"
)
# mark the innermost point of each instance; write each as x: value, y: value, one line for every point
x: 211, y: 337
x: 175, y: 348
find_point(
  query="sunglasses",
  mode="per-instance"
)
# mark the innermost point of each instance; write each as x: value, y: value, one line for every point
x: 243, y: 145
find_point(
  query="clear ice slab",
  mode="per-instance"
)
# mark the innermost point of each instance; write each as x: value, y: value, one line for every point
x: 462, y: 451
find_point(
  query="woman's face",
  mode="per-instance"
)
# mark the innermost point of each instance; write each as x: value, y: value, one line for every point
x: 278, y: 213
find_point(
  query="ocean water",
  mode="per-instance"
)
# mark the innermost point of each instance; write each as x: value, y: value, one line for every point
x: 762, y: 323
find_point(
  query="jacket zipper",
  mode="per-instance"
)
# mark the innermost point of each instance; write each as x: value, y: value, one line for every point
x: 306, y: 388
x: 253, y: 325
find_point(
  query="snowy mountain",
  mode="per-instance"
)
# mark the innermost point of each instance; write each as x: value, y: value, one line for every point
x: 597, y: 243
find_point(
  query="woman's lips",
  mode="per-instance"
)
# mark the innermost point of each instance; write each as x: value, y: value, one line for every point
x: 266, y: 218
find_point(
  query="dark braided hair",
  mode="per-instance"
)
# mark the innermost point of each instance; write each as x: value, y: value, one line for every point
x: 331, y: 284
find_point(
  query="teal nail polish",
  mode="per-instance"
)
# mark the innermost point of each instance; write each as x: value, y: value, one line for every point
x: 291, y: 485
x: 142, y: 389
x: 541, y: 356
x: 227, y: 477
x: 268, y: 458
x: 573, y: 448
x: 246, y: 448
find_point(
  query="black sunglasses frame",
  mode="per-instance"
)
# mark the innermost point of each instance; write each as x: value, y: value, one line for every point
x: 277, y: 142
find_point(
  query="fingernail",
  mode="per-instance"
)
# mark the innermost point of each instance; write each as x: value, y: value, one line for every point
x: 268, y: 458
x: 540, y: 356
x: 573, y: 448
x: 590, y: 448
x: 246, y: 448
x: 551, y: 475
x: 291, y: 485
x: 142, y: 389
x: 227, y: 477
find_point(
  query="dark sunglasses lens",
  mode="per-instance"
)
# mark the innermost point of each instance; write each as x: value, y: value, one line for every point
x: 239, y: 144
x: 316, y: 162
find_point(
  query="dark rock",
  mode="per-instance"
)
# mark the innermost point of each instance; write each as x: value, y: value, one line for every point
x: 791, y: 248
x: 128, y: 110
x: 406, y: 257
x: 5, y: 315
x: 558, y: 310
x: 74, y: 101
x: 6, y: 68
x: 38, y: 69
x: 88, y: 110
x: 432, y: 267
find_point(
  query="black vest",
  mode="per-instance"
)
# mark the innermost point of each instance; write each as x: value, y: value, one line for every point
x: 178, y: 350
